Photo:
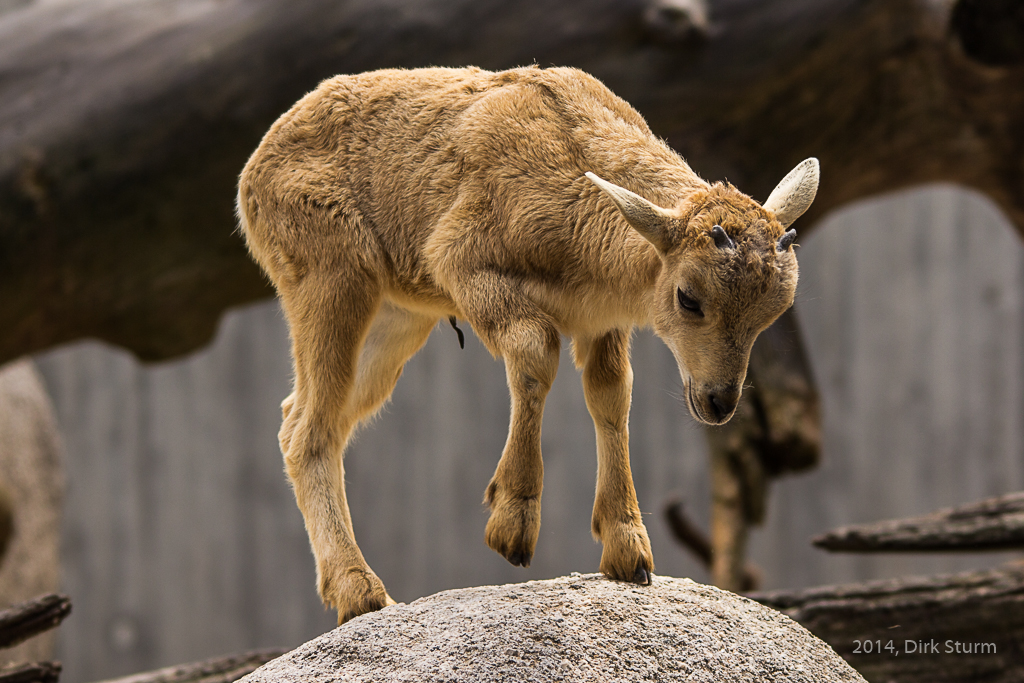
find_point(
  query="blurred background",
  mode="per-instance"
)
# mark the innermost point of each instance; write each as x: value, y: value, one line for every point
x: 181, y: 538
x: 123, y: 125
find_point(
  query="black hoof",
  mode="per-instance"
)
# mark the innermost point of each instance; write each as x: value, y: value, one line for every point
x: 519, y: 559
x: 641, y: 576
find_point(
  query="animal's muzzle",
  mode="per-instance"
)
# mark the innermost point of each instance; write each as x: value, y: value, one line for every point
x: 713, y: 406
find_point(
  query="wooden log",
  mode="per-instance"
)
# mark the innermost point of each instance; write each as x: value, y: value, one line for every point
x: 27, y: 619
x: 217, y: 670
x: 6, y: 521
x: 942, y: 629
x: 784, y: 397
x: 37, y: 672
x: 992, y: 524
x: 116, y: 207
x: 31, y: 473
x: 697, y: 542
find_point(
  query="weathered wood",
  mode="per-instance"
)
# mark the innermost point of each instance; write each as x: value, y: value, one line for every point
x: 992, y: 524
x: 38, y: 672
x: 785, y: 402
x: 687, y: 533
x: 981, y: 612
x: 31, y: 474
x: 217, y: 670
x: 6, y: 521
x: 697, y: 542
x: 116, y: 215
x: 22, y: 621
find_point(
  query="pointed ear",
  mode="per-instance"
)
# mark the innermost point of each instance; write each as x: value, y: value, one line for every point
x: 795, y: 193
x: 650, y: 220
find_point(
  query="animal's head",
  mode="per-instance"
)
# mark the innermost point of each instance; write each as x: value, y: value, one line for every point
x: 728, y: 271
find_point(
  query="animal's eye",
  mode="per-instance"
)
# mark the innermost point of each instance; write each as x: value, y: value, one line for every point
x: 688, y: 303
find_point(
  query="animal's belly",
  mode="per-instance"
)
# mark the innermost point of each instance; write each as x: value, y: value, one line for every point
x: 422, y: 296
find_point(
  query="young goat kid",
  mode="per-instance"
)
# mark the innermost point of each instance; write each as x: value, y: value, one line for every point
x: 383, y: 202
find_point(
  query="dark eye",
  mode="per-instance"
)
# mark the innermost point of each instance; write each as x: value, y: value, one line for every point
x: 691, y: 305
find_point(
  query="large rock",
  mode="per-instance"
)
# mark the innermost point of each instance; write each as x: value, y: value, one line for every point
x: 575, y: 628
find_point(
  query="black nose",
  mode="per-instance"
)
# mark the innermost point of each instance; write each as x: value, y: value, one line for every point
x: 721, y: 406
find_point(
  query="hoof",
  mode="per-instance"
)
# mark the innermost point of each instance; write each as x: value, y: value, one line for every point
x: 513, y: 527
x: 354, y: 592
x: 519, y: 558
x: 627, y: 553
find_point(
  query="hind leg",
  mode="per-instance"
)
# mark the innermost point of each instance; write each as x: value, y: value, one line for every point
x: 329, y: 315
x: 331, y: 396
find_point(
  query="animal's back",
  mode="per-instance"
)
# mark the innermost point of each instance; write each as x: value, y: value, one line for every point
x: 373, y: 162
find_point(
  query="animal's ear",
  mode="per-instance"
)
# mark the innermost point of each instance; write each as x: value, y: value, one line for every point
x: 794, y: 194
x: 650, y: 220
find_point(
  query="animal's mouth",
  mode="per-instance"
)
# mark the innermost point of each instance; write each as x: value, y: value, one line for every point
x: 694, y: 410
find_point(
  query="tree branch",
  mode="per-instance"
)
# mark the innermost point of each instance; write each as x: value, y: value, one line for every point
x: 216, y: 670
x: 6, y: 521
x: 697, y: 542
x: 993, y: 524
x: 974, y: 609
x: 39, y: 672
x: 27, y: 619
x: 116, y: 207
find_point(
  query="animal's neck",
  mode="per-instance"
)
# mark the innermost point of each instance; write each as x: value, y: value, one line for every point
x: 624, y: 275
x: 648, y: 268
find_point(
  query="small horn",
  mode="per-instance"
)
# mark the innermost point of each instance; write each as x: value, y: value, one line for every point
x: 786, y: 241
x: 795, y: 193
x: 722, y: 239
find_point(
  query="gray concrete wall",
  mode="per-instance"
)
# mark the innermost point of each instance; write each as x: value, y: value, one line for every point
x: 182, y: 541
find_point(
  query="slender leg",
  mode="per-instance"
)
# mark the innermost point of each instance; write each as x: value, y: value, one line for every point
x: 607, y: 384
x: 344, y: 370
x: 513, y: 327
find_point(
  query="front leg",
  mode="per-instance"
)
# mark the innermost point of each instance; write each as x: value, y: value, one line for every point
x: 513, y: 327
x: 514, y: 491
x: 607, y: 384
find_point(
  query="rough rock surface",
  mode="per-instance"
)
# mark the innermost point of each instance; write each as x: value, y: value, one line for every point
x: 575, y: 628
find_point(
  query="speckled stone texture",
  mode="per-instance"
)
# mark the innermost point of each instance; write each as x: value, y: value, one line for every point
x: 575, y: 628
